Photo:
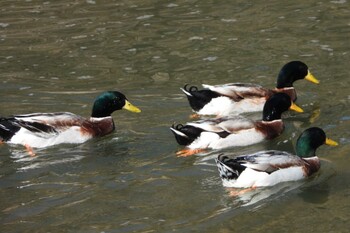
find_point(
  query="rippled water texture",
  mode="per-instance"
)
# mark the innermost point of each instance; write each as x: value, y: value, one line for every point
x: 58, y: 55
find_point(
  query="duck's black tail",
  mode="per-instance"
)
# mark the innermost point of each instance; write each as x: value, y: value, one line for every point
x: 198, y: 98
x: 185, y: 134
x: 7, y: 128
x: 229, y: 168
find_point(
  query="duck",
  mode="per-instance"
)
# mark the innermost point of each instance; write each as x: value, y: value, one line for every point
x: 39, y: 130
x: 224, y: 132
x: 268, y: 168
x: 237, y: 98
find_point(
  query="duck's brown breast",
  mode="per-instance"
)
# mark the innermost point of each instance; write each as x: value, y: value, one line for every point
x: 311, y: 166
x: 98, y: 128
x: 270, y: 129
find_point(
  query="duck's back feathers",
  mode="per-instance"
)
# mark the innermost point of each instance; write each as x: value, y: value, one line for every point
x: 268, y: 161
x: 43, y: 122
x: 54, y: 118
x: 230, y: 125
x: 239, y: 91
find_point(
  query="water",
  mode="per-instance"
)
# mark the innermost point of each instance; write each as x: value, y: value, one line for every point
x: 58, y: 55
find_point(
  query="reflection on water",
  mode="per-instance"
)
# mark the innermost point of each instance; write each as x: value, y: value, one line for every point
x: 58, y: 55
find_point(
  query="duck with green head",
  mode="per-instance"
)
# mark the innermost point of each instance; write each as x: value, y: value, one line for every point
x: 46, y: 129
x: 236, y: 98
x: 267, y: 168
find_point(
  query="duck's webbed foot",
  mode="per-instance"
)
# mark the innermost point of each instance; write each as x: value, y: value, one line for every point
x: 30, y: 150
x: 188, y: 152
x: 237, y: 192
x: 195, y: 116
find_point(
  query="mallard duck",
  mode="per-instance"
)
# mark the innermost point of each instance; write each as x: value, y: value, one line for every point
x: 236, y: 98
x: 46, y: 129
x: 235, y: 131
x: 267, y: 168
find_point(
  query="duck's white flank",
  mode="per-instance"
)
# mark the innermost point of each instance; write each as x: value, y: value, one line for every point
x: 241, y: 138
x: 253, y: 178
x: 40, y: 140
x: 224, y: 106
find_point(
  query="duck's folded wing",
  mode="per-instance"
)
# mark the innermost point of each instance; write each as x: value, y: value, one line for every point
x: 48, y: 123
x: 241, y: 90
x: 229, y: 125
x: 236, y: 124
x: 269, y: 161
x: 36, y: 127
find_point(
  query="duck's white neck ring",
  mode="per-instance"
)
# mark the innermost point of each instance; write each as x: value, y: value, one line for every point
x: 99, y: 118
x: 272, y: 122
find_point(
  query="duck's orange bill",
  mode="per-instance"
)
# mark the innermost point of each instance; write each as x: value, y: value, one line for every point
x: 330, y: 142
x: 311, y: 78
x: 296, y: 108
x: 130, y: 107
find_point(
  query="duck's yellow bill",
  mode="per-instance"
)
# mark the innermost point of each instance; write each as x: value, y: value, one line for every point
x: 330, y: 142
x: 128, y: 106
x: 296, y: 108
x: 311, y: 78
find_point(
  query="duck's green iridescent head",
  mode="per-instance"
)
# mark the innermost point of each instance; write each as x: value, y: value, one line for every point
x: 276, y: 105
x: 310, y: 140
x: 110, y: 101
x: 293, y: 71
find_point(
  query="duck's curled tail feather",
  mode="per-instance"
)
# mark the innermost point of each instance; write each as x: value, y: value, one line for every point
x: 185, y: 135
x: 198, y: 98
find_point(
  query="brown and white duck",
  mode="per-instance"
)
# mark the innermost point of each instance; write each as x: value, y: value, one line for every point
x: 268, y: 168
x: 47, y: 129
